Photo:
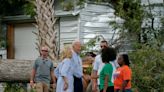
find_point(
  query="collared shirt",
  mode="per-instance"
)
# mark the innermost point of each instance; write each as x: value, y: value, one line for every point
x: 98, y: 65
x: 77, y: 65
x: 43, y: 68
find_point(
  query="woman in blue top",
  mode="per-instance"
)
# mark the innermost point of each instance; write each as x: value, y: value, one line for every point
x: 65, y: 70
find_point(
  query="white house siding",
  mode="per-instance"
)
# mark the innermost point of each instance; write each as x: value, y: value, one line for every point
x: 91, y: 21
x: 25, y: 47
x: 94, y: 20
x: 68, y: 29
x: 147, y: 2
x: 3, y: 54
x: 156, y: 9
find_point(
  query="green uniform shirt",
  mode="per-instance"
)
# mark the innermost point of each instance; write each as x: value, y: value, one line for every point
x: 106, y: 70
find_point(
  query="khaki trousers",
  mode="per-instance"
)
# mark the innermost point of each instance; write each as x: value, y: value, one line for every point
x: 42, y: 87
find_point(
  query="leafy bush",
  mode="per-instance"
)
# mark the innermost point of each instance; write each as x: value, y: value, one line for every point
x: 147, y: 67
x: 14, y: 87
x: 17, y: 87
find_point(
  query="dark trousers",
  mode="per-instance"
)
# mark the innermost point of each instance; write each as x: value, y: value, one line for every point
x: 126, y: 90
x: 78, y: 85
x: 109, y: 89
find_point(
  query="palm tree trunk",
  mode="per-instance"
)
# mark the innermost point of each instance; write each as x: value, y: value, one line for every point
x: 45, y: 23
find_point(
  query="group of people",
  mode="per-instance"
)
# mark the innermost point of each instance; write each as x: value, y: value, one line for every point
x: 68, y: 73
x: 111, y: 72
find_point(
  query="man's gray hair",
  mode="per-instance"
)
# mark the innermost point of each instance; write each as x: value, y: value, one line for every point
x: 75, y: 42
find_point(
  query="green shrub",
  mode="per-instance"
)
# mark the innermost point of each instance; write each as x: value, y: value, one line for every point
x: 17, y: 87
x: 147, y: 67
x: 14, y: 87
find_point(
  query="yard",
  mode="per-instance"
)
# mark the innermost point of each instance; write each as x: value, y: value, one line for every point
x: 132, y: 26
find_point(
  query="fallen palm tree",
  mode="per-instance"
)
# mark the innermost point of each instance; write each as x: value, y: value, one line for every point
x: 12, y: 70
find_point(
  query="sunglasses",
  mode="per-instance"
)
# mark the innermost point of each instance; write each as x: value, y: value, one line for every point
x: 103, y: 46
x: 45, y: 50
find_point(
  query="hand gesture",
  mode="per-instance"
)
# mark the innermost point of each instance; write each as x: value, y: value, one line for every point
x: 65, y: 86
x: 53, y: 85
x: 94, y: 87
x: 32, y: 84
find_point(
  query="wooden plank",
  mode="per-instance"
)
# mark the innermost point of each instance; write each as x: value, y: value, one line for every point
x: 10, y: 41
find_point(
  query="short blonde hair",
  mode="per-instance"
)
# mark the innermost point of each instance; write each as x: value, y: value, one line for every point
x: 66, y: 53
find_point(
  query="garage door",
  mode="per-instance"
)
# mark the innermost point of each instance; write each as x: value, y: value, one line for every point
x: 25, y: 40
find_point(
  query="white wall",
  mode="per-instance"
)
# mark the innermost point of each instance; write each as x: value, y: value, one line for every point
x: 94, y: 21
x: 68, y: 30
x: 25, y: 47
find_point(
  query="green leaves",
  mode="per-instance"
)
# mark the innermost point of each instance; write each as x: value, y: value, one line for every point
x: 14, y: 87
x: 147, y: 67
x: 29, y: 8
x: 11, y: 7
x: 16, y: 7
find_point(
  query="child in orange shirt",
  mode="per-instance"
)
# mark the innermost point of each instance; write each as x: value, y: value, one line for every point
x: 122, y: 75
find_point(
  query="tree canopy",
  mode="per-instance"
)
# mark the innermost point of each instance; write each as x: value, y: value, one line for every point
x: 12, y: 7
